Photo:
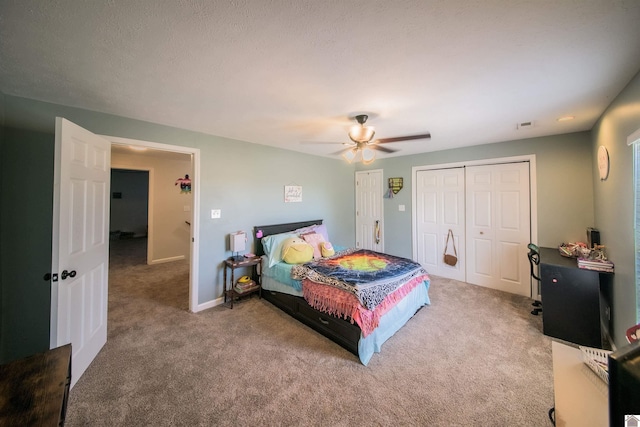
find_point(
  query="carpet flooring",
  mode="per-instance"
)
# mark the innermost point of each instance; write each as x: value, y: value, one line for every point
x: 474, y: 357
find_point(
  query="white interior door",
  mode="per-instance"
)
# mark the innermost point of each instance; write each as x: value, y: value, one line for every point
x: 369, y: 221
x: 440, y: 202
x: 498, y: 226
x: 80, y: 253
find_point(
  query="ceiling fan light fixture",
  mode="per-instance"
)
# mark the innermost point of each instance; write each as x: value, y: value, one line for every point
x: 368, y: 155
x: 349, y: 155
x: 361, y: 133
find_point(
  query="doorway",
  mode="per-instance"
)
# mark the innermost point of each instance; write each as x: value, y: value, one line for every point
x: 80, y: 237
x: 150, y: 226
x: 185, y: 222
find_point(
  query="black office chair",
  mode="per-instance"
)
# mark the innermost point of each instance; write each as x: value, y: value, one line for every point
x: 534, y: 259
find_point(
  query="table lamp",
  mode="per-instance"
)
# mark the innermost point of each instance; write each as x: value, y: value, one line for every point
x: 237, y: 242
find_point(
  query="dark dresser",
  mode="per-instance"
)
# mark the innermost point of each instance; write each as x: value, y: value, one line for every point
x: 34, y: 390
x: 576, y: 303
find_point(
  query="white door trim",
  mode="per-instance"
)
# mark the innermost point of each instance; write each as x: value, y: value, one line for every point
x: 533, y: 182
x: 195, y: 218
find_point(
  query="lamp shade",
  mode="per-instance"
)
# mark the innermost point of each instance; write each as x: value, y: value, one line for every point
x: 237, y: 241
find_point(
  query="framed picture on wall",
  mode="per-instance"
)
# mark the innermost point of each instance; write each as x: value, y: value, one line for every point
x: 292, y: 193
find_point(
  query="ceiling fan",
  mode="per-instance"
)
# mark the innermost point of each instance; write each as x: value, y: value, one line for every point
x: 363, y: 145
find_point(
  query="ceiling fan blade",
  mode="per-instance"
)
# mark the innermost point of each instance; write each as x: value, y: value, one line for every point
x: 403, y: 138
x: 322, y: 142
x: 381, y: 148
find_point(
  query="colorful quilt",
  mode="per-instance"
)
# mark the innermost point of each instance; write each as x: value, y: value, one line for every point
x: 369, y: 275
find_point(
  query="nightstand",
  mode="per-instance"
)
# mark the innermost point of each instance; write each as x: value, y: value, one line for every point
x: 256, y: 273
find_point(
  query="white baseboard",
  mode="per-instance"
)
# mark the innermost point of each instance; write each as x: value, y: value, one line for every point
x: 209, y: 304
x: 170, y: 259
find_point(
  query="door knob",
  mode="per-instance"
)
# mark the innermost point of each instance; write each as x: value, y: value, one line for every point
x: 66, y: 274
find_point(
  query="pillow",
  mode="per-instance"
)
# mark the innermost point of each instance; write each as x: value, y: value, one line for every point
x: 326, y: 248
x: 316, y: 228
x: 296, y: 251
x: 322, y: 229
x: 314, y: 239
x: 307, y: 229
x: 273, y: 246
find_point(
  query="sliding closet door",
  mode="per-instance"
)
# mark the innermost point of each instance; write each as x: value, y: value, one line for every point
x: 498, y: 226
x: 439, y: 208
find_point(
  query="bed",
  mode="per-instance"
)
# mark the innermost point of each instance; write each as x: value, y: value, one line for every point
x: 301, y: 291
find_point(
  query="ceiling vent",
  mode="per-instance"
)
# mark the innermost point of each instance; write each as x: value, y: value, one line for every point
x: 525, y: 125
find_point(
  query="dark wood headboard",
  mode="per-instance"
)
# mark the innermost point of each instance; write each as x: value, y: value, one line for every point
x: 266, y: 230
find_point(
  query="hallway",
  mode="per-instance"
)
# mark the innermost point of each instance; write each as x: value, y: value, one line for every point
x: 137, y: 290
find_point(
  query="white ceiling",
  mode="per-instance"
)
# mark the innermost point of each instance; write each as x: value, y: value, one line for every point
x: 282, y: 72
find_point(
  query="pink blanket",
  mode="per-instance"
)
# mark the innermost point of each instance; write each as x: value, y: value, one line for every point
x: 343, y: 304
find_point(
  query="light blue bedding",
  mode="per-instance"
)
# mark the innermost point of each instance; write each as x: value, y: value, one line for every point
x: 278, y: 279
x: 281, y: 274
x: 392, y: 321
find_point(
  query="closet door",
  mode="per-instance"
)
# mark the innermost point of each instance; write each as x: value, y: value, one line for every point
x: 440, y: 207
x: 498, y: 226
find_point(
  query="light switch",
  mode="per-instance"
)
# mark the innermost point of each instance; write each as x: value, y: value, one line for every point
x: 187, y: 208
x: 401, y: 208
x: 215, y: 213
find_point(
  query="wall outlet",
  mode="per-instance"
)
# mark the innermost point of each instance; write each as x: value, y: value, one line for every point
x: 215, y: 213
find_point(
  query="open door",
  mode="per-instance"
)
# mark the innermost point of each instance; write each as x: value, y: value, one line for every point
x: 80, y: 243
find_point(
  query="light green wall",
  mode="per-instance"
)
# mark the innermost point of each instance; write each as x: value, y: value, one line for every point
x: 614, y: 202
x: 25, y: 242
x: 246, y: 181
x: 565, y: 193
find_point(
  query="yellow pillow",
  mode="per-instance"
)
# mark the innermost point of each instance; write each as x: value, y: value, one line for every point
x: 327, y: 249
x: 296, y: 251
